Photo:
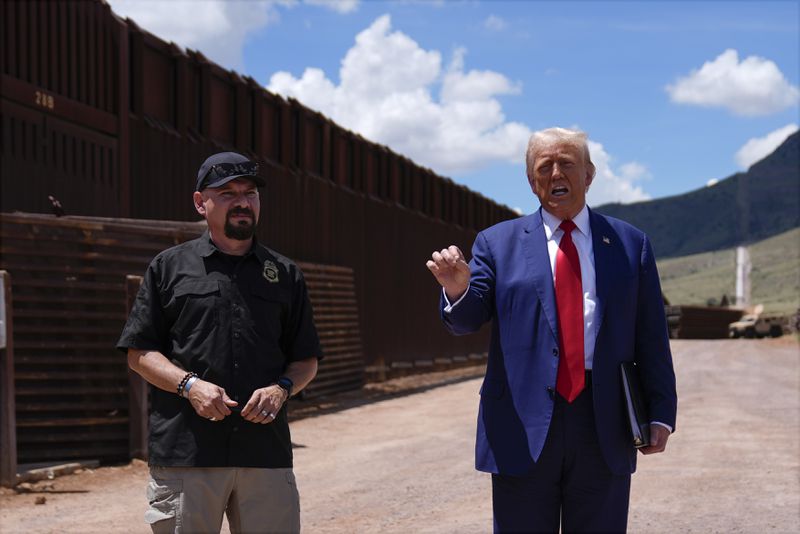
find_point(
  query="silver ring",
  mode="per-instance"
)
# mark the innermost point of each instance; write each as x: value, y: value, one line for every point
x: 265, y: 413
x: 212, y: 418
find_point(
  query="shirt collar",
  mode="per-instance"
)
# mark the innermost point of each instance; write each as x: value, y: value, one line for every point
x: 581, y: 220
x: 206, y: 247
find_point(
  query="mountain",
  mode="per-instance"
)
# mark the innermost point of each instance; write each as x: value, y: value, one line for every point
x: 741, y: 209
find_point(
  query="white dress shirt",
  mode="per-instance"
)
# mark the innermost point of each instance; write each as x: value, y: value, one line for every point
x: 582, y: 238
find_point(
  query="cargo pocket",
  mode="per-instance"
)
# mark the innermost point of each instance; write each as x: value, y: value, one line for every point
x: 164, y: 497
x: 293, y: 508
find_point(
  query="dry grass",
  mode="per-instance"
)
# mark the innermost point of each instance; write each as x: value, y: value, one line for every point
x: 703, y: 278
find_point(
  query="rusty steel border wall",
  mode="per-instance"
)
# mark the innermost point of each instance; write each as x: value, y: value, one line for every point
x: 114, y: 122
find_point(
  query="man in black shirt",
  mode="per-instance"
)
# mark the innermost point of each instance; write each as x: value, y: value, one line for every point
x: 222, y: 327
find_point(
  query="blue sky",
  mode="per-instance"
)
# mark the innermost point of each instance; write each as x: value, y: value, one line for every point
x: 672, y: 94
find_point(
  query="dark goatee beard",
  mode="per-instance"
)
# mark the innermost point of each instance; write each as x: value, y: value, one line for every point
x: 240, y: 232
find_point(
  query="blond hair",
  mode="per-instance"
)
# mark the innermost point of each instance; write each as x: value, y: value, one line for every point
x: 562, y: 136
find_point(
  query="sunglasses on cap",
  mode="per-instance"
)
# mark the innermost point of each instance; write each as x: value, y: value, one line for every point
x: 220, y: 171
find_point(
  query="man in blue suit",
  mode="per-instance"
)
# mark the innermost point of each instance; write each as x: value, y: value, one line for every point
x: 571, y: 294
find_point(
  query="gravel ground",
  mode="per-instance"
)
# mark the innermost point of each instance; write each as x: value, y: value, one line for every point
x: 397, y: 457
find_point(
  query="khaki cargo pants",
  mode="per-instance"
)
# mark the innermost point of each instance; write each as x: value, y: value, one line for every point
x: 189, y: 500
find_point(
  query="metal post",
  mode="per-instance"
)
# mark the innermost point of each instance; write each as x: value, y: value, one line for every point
x: 137, y: 390
x: 8, y: 415
x: 123, y: 121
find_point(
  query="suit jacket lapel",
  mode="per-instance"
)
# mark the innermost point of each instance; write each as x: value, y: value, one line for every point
x: 535, y: 246
x: 603, y: 260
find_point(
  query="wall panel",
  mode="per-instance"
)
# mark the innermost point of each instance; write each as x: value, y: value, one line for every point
x: 332, y: 197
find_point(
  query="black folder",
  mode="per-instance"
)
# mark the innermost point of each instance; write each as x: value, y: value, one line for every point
x: 635, y: 405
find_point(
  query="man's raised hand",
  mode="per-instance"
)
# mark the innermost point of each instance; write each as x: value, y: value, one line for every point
x: 451, y: 271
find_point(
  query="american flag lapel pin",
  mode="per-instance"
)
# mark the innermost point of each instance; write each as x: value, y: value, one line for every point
x: 606, y: 240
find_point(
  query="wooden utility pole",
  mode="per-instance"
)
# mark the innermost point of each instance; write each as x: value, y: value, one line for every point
x: 8, y: 415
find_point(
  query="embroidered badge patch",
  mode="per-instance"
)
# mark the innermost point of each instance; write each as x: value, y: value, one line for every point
x: 270, y: 271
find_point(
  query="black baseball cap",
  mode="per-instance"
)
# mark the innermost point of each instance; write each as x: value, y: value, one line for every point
x: 223, y: 167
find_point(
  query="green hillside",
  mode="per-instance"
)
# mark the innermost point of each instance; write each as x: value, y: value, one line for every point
x: 706, y: 277
x: 743, y: 208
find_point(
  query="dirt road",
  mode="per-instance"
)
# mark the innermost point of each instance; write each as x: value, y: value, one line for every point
x: 404, y: 464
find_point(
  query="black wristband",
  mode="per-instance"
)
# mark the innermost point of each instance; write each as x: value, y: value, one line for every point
x: 286, y: 384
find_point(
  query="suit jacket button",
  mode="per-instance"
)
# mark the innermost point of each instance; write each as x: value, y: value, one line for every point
x: 555, y: 353
x: 551, y: 392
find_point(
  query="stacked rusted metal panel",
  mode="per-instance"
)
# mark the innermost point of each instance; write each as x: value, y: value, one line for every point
x: 333, y: 296
x: 69, y: 304
x: 700, y: 322
x: 68, y: 282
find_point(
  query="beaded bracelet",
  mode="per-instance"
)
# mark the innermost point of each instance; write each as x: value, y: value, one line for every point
x: 183, y: 383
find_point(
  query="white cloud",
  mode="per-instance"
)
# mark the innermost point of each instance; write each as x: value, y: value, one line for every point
x: 754, y: 86
x: 634, y: 171
x: 760, y: 147
x: 610, y: 186
x: 216, y: 28
x: 387, y: 93
x: 495, y: 23
x: 340, y: 6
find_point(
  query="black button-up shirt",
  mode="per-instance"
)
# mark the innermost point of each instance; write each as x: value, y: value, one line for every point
x: 236, y: 321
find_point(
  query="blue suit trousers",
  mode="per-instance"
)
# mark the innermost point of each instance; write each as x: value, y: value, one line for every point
x: 571, y: 483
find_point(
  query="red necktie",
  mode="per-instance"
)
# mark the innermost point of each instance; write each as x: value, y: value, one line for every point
x: 569, y: 301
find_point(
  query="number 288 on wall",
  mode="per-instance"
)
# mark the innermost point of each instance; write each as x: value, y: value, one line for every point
x: 44, y: 100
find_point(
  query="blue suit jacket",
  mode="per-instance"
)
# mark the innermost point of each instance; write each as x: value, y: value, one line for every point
x: 512, y: 285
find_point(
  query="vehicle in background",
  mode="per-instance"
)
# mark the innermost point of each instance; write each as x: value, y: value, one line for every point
x: 754, y: 325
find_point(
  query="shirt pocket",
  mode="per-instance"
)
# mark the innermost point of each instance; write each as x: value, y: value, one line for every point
x: 268, y: 311
x: 196, y: 307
